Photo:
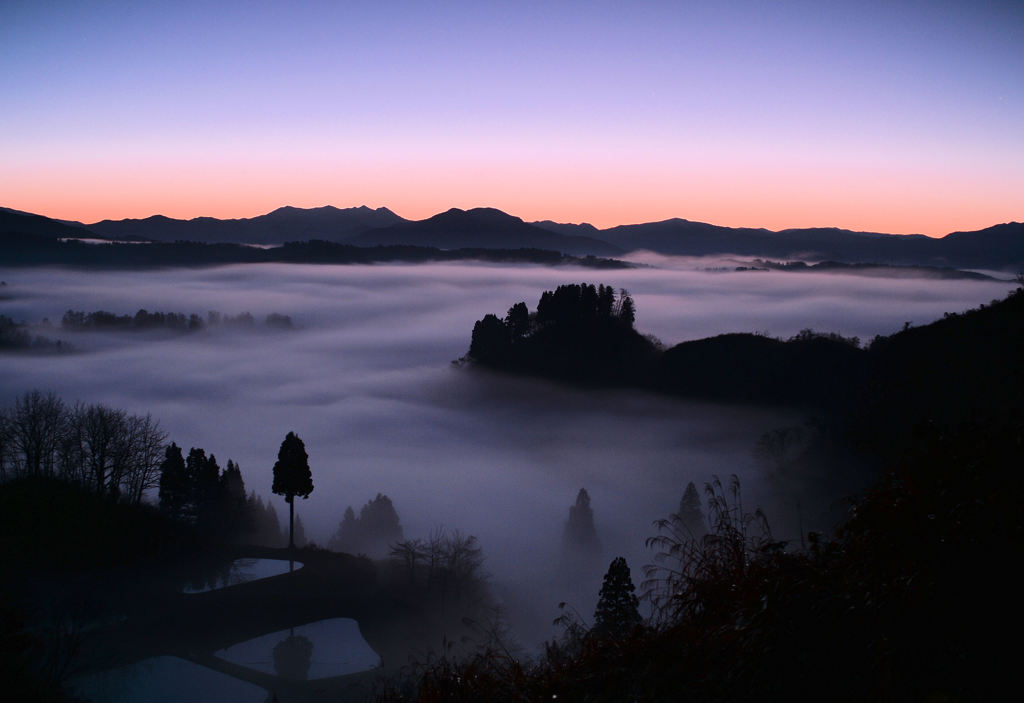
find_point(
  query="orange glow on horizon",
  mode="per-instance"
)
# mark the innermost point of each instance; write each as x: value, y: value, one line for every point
x: 604, y: 217
x: 598, y: 193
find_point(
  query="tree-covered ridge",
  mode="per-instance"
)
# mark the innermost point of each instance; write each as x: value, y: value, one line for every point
x: 582, y: 332
x: 21, y: 337
x: 18, y: 337
x: 174, y: 321
x: 579, y: 331
x: 576, y: 335
x: 29, y: 250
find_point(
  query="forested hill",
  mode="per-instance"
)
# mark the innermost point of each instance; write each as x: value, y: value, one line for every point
x: 961, y: 367
x: 580, y: 333
x: 584, y: 333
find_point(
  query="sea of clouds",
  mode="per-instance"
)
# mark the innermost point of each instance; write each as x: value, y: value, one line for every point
x: 365, y: 379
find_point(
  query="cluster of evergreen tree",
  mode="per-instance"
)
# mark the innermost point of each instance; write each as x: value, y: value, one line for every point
x: 372, y: 533
x: 195, y: 491
x: 579, y: 331
x: 175, y: 321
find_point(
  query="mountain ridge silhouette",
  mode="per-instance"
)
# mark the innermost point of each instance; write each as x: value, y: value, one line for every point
x: 1000, y: 246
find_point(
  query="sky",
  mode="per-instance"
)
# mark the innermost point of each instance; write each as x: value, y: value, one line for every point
x: 883, y: 116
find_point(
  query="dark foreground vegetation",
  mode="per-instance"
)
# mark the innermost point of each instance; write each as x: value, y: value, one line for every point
x: 901, y: 602
x: 96, y: 574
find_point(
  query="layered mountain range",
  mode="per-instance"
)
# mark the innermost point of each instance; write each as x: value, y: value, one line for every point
x: 997, y: 247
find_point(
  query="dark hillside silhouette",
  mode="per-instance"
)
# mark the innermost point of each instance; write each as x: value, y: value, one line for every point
x: 969, y: 360
x: 583, y: 229
x: 23, y: 223
x: 23, y: 237
x: 809, y: 369
x: 998, y: 247
x: 482, y: 228
x: 964, y: 367
x: 285, y: 224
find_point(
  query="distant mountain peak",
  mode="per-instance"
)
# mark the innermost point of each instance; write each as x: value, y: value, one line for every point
x: 477, y: 214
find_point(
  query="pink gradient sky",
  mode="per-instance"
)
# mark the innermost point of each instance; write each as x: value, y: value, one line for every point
x: 873, y: 116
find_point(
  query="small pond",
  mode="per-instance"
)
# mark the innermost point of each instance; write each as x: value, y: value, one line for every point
x: 239, y: 571
x: 164, y: 680
x: 318, y: 650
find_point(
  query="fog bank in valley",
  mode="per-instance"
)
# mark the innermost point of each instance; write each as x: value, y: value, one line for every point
x: 365, y: 380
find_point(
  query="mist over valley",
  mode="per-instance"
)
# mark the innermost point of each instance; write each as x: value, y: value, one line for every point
x: 365, y: 378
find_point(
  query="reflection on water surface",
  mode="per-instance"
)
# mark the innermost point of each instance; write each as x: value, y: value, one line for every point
x: 239, y: 571
x: 318, y: 650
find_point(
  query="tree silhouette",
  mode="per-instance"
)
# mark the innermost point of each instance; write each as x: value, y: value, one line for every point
x: 293, y: 657
x: 691, y: 517
x: 292, y: 477
x: 346, y: 538
x: 264, y: 527
x: 379, y: 525
x: 300, y: 532
x: 490, y: 340
x: 518, y: 320
x: 373, y: 532
x: 579, y: 530
x: 408, y: 552
x: 204, y: 473
x: 627, y: 308
x: 234, y: 504
x: 617, y: 606
x: 174, y: 483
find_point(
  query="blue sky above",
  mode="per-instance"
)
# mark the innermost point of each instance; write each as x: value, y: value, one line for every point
x: 544, y: 93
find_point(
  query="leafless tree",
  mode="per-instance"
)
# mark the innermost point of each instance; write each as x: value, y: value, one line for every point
x: 105, y: 449
x: 408, y: 552
x: 37, y: 425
